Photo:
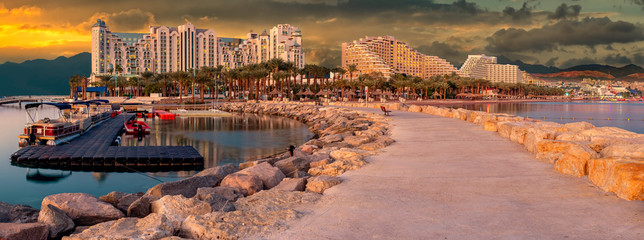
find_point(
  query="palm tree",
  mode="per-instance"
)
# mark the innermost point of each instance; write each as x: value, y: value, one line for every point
x: 201, y: 80
x: 230, y: 75
x: 164, y: 79
x: 74, y: 82
x: 351, y: 68
x: 146, y: 76
x: 290, y: 70
x: 278, y: 77
x: 134, y: 83
x: 183, y: 78
x: 259, y: 74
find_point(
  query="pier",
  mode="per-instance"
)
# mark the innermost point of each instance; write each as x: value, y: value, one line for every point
x: 21, y: 99
x: 94, y: 150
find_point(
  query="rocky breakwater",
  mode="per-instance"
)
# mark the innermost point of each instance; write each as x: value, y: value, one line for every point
x: 612, y: 158
x: 225, y: 202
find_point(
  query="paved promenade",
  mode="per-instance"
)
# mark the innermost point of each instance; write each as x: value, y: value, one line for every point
x: 449, y: 179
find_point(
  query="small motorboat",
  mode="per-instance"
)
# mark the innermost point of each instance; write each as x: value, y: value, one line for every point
x: 136, y: 127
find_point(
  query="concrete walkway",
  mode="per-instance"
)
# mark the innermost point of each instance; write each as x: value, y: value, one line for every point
x: 449, y: 179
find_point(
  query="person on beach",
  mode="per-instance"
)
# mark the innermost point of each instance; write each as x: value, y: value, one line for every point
x: 291, y: 148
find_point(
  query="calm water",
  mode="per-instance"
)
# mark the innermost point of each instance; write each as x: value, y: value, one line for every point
x: 220, y: 140
x: 625, y: 115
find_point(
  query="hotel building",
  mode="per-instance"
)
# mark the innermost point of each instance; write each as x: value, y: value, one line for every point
x: 486, y: 67
x: 170, y: 49
x: 389, y: 56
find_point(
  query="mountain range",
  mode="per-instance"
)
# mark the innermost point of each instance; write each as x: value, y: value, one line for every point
x: 51, y: 77
x: 628, y: 72
x: 42, y: 77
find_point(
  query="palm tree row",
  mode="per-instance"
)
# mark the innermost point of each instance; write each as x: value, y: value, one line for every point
x: 278, y: 78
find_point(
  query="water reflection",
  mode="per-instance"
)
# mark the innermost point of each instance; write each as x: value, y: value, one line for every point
x: 45, y: 176
x: 625, y: 115
x: 219, y: 140
x: 222, y: 140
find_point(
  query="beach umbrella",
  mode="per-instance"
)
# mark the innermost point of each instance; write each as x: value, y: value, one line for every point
x: 274, y: 92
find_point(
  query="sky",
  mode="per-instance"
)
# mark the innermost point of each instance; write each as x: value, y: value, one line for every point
x: 553, y: 33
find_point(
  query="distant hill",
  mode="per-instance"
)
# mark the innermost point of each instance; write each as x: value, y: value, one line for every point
x: 617, y: 72
x: 575, y: 75
x: 530, y: 68
x: 634, y: 76
x: 42, y: 77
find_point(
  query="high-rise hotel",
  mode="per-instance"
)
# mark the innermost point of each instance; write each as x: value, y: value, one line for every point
x: 486, y: 67
x: 388, y: 55
x: 170, y: 49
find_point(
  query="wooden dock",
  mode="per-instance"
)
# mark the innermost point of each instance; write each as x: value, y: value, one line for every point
x: 95, y: 149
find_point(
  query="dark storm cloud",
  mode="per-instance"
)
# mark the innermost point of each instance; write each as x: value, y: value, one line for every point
x: 450, y: 52
x: 327, y: 56
x: 565, y: 12
x: 587, y: 32
x: 522, y: 13
x: 638, y: 59
x: 617, y: 60
x: 552, y: 61
x: 129, y: 20
x: 577, y: 61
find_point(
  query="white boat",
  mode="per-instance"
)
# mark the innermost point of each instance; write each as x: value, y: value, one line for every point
x: 201, y: 113
x: 74, y: 119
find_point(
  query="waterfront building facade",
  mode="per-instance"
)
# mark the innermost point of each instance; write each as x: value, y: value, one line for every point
x: 388, y: 56
x: 170, y: 49
x: 486, y: 67
x: 476, y: 66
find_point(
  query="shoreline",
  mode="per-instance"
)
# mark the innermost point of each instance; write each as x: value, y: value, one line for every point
x: 336, y: 152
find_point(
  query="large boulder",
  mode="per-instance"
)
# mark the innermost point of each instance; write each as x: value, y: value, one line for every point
x: 578, y: 126
x: 321, y: 183
x: 345, y: 154
x: 83, y: 208
x: 230, y: 193
x: 186, y: 187
x: 537, y: 134
x: 17, y: 213
x: 217, y: 201
x: 152, y: 227
x: 270, y: 176
x: 292, y: 165
x: 177, y: 207
x: 575, y: 160
x: 515, y: 131
x: 247, y: 184
x: 355, y: 141
x: 24, y: 231
x: 57, y: 220
x: 120, y: 200
x: 256, y: 214
x: 491, y: 125
x: 568, y: 157
x: 624, y: 151
x: 623, y: 176
x: 140, y: 207
x: 337, y: 167
x: 291, y: 184
x: 415, y: 108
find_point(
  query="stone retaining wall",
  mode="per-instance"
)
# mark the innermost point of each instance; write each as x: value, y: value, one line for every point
x: 612, y: 158
x: 224, y: 202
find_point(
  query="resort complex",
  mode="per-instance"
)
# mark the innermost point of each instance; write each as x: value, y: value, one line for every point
x: 486, y: 67
x: 170, y: 49
x: 388, y: 56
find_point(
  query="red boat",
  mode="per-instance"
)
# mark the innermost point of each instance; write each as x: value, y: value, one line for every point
x: 136, y: 127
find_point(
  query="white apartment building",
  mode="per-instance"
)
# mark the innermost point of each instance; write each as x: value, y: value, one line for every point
x: 170, y: 49
x: 476, y: 66
x: 486, y: 67
x: 284, y: 42
x: 388, y: 55
x: 504, y: 73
